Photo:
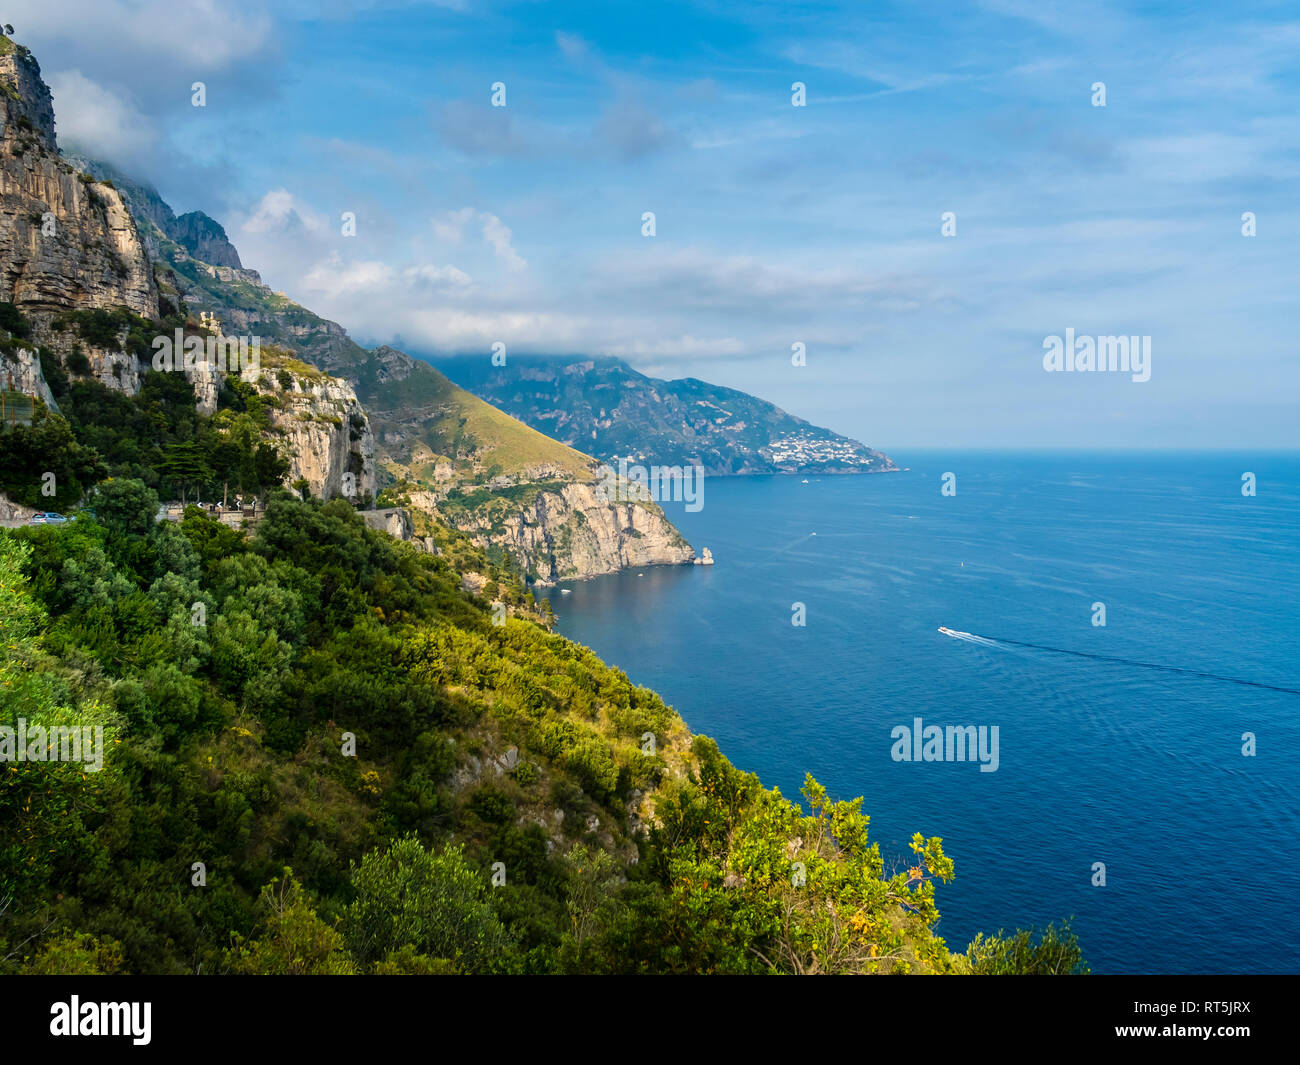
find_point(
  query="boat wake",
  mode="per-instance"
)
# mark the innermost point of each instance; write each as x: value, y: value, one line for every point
x: 987, y: 641
x: 957, y: 634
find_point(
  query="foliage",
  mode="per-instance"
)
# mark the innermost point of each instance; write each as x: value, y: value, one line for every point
x: 1056, y: 953
x: 30, y: 454
x: 318, y: 697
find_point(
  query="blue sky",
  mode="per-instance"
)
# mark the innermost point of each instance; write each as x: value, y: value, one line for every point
x: 775, y: 224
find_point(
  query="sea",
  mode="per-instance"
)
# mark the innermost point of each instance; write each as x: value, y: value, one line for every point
x: 1147, y: 780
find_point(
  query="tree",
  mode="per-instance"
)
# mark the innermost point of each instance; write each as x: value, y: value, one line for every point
x: 770, y: 889
x: 126, y: 506
x: 1057, y: 953
x: 45, y: 453
x: 294, y: 941
x: 436, y: 904
x: 187, y: 465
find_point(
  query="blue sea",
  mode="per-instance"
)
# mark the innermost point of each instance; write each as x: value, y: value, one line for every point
x: 1107, y: 761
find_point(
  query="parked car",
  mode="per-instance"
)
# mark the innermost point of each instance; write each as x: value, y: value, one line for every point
x: 48, y: 518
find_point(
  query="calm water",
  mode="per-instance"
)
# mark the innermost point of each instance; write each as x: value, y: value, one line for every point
x: 1099, y: 761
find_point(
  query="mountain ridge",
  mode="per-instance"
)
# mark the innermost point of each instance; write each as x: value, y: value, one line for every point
x: 613, y: 411
x: 440, y: 451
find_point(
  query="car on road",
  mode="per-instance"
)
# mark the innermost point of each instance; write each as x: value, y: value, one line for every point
x: 48, y: 518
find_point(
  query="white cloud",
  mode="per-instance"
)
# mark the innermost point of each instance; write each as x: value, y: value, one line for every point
x: 680, y: 347
x: 449, y: 226
x: 335, y: 279
x: 496, y: 233
x: 280, y: 211
x: 96, y: 120
x: 199, y: 35
x: 437, y: 276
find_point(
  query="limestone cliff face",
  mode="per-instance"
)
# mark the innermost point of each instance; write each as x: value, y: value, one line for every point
x: 570, y: 533
x: 196, y: 233
x: 73, y: 245
x: 20, y: 371
x: 64, y: 243
x: 324, y: 431
x: 205, y: 238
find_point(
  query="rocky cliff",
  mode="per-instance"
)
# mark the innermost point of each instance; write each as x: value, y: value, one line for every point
x: 82, y: 283
x: 323, y: 427
x: 65, y: 241
x: 571, y: 533
x: 201, y: 236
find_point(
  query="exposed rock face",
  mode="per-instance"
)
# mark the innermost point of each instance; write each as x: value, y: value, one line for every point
x: 13, y: 514
x: 21, y: 372
x: 205, y: 239
x: 571, y: 533
x: 325, y: 433
x: 393, y: 520
x: 201, y: 236
x: 63, y: 243
x: 67, y: 244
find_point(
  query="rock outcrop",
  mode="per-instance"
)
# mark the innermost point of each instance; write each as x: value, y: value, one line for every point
x: 325, y: 432
x: 200, y: 235
x: 564, y: 531
x: 393, y: 520
x: 20, y: 371
x: 572, y: 533
x: 205, y: 239
x: 64, y: 242
x: 70, y: 243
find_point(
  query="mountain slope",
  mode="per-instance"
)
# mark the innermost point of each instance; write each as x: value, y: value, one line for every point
x: 80, y: 308
x: 440, y: 451
x: 610, y: 410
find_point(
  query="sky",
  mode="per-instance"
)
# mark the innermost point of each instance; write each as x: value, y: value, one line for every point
x: 775, y: 224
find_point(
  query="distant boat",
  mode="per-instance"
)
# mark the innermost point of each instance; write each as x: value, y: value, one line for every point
x: 805, y: 480
x: 566, y: 591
